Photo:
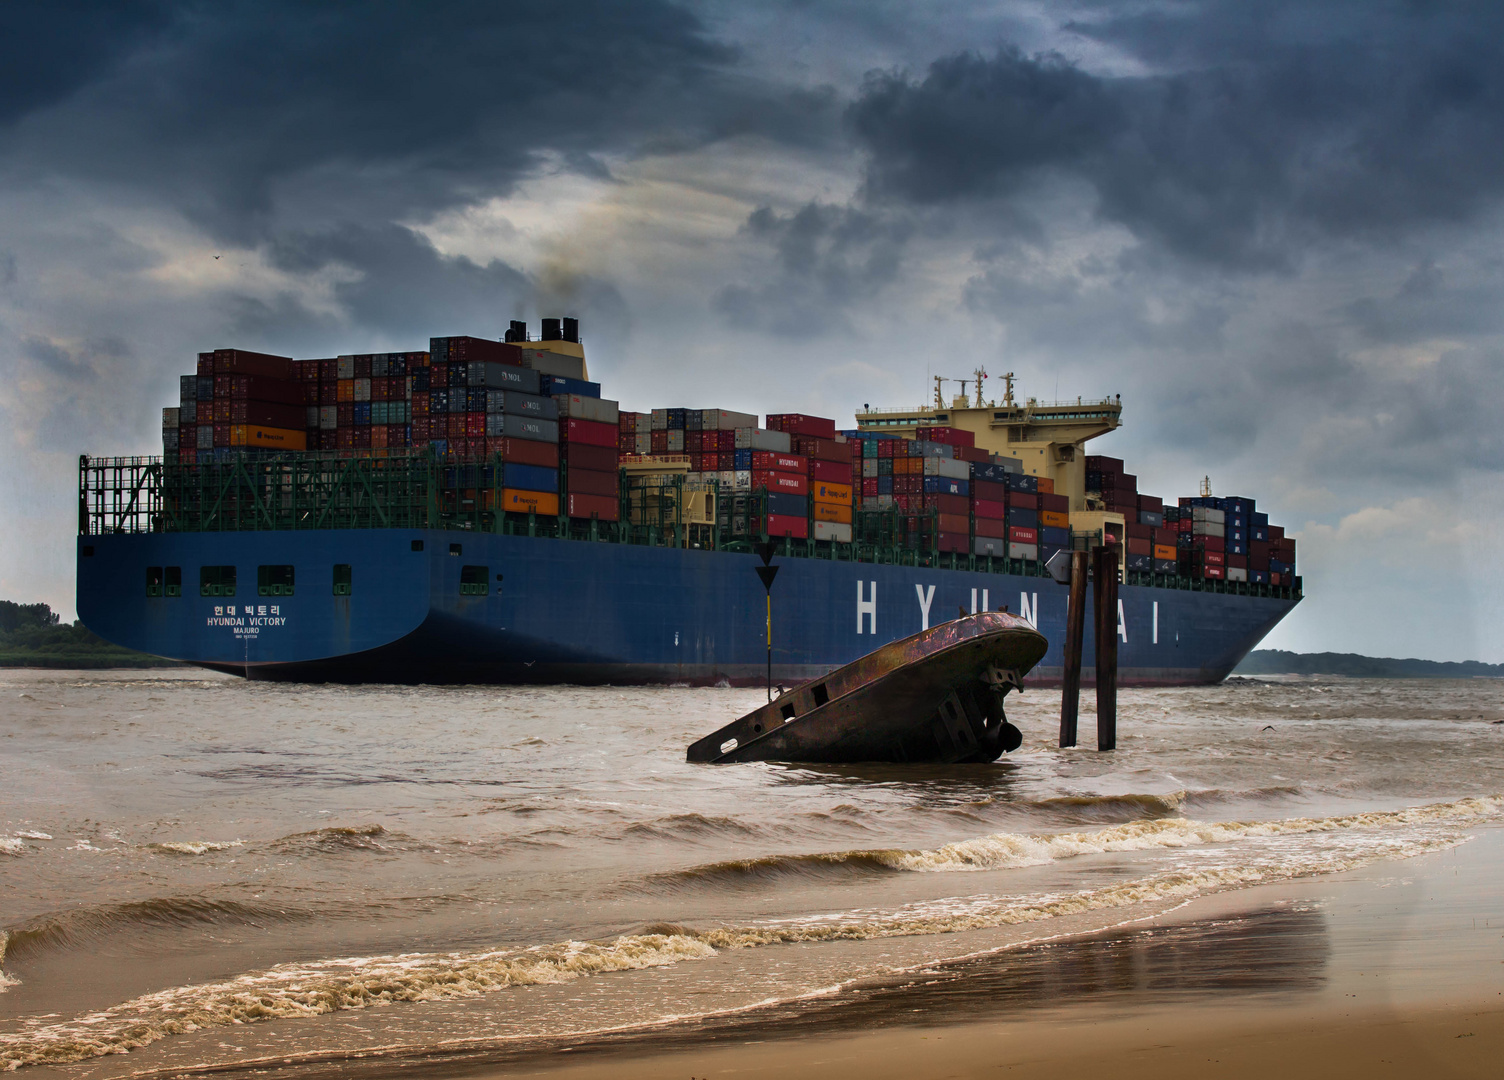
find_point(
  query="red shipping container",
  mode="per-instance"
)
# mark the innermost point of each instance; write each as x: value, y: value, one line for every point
x: 455, y: 426
x: 1139, y: 532
x: 770, y: 461
x: 972, y: 453
x: 422, y: 429
x: 1237, y: 562
x: 728, y: 460
x: 591, y: 482
x: 1139, y: 545
x: 268, y: 414
x: 869, y: 486
x: 823, y: 449
x: 591, y: 432
x: 396, y: 435
x: 240, y: 362
x: 989, y: 490
x: 1022, y: 500
x: 1211, y: 571
x: 1208, y: 543
x: 800, y: 424
x: 660, y: 441
x: 990, y: 527
x: 588, y: 456
x: 781, y: 525
x: 1165, y: 536
x: 694, y: 442
x: 1017, y: 534
x: 527, y: 452
x: 603, y: 507
x: 1055, y: 504
x: 1151, y: 503
x: 885, y: 447
x: 788, y: 483
x: 953, y: 523
x: 626, y: 442
x: 959, y: 505
x: 834, y: 472
x: 1276, y: 532
x: 954, y: 541
x: 948, y: 435
x: 361, y: 437
x: 475, y: 425
x: 1214, y: 558
x: 475, y: 448
x: 986, y: 508
x: 378, y: 437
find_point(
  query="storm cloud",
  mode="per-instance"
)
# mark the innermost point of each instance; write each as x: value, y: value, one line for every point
x: 1273, y: 228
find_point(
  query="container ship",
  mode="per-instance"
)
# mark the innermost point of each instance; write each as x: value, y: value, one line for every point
x: 479, y: 513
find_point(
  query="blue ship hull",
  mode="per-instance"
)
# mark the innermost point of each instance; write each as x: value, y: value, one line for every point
x: 566, y: 611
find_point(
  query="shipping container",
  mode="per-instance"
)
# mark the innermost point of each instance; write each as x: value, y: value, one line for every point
x: 800, y: 424
x: 600, y: 507
x: 527, y: 427
x: 1023, y: 551
x: 269, y: 437
x: 598, y: 409
x: 545, y: 504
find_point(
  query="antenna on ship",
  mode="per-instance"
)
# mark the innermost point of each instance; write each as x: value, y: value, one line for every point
x: 980, y: 373
x: 940, y: 381
x: 1206, y: 487
x: 1008, y: 389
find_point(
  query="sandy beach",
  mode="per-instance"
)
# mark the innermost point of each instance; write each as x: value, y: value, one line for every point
x: 1394, y: 970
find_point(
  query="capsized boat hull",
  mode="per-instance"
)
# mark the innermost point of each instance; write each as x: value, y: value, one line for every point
x: 936, y: 696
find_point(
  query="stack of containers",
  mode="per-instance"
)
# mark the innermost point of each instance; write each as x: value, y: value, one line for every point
x: 946, y: 484
x: 742, y: 510
x: 1054, y: 520
x: 1023, y: 517
x: 830, y: 488
x: 634, y: 433
x: 363, y: 401
x: 1202, y: 540
x: 237, y: 402
x: 588, y: 437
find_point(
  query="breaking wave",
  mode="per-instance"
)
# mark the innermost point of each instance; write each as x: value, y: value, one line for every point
x: 1004, y: 850
x: 307, y: 989
x: 203, y: 847
x: 84, y: 926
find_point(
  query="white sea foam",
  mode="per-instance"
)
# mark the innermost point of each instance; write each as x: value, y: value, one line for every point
x: 201, y: 847
x: 28, y: 835
x: 307, y: 989
x: 11, y: 845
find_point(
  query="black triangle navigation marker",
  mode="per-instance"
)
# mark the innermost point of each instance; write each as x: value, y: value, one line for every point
x: 765, y: 551
x: 767, y: 573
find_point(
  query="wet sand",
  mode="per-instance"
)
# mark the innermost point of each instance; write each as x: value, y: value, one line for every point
x: 1394, y: 970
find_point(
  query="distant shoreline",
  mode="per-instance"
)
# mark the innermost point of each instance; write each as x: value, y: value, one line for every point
x: 1357, y: 666
x: 85, y: 661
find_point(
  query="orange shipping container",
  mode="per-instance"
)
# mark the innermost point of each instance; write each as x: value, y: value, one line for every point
x: 1046, y: 486
x: 833, y: 511
x: 1164, y: 551
x: 542, y: 503
x: 821, y: 491
x: 345, y: 390
x: 275, y: 438
x: 1053, y: 520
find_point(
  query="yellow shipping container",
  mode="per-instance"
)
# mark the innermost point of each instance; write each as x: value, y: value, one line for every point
x: 275, y: 438
x: 821, y: 491
x: 1054, y: 519
x: 543, y: 503
x: 833, y: 511
x: 1164, y: 551
x: 344, y: 390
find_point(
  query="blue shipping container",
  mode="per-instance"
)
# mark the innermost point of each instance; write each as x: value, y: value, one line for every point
x: 1024, y: 519
x: 530, y: 477
x: 781, y: 502
x: 1051, y: 536
x: 1023, y: 482
x: 945, y: 485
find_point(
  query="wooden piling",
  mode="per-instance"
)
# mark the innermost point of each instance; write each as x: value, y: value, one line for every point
x: 1075, y: 635
x: 1106, y: 597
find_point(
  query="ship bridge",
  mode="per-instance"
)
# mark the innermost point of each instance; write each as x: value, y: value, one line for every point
x: 1049, y: 437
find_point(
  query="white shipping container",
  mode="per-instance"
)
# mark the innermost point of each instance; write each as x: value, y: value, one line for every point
x: 345, y: 367
x: 833, y: 530
x: 188, y: 413
x: 660, y: 419
x: 643, y: 442
x: 676, y: 441
x: 170, y: 419
x: 363, y: 390
x: 726, y: 479
x: 725, y: 420
x: 1207, y: 528
x: 380, y: 366
x: 869, y: 467
x: 1024, y: 551
x: 991, y: 545
x: 951, y: 468
x: 741, y: 480
x: 1011, y: 464
x: 547, y: 362
x: 1237, y: 573
x: 328, y: 417
x: 311, y: 416
x: 205, y: 437
x: 169, y: 438
x: 588, y: 408
x: 1206, y: 513
x: 877, y: 502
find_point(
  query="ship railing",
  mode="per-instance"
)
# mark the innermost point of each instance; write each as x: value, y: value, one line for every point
x: 1030, y: 403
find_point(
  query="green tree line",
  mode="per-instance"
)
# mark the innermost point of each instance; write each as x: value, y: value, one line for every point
x: 32, y: 635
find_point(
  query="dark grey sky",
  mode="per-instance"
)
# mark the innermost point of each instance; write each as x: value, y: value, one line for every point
x: 1273, y: 228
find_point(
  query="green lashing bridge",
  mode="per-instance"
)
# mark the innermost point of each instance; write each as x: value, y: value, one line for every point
x: 418, y: 490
